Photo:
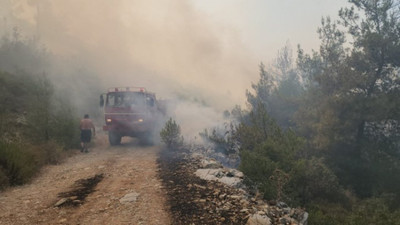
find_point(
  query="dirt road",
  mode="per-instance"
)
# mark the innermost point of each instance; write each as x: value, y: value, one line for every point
x: 129, y: 170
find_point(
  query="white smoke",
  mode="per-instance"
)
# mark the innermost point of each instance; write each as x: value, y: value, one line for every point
x: 166, y: 46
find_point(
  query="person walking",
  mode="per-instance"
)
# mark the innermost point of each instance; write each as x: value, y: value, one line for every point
x: 86, y: 126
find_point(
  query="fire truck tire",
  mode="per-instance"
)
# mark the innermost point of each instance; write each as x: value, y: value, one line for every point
x: 114, y: 138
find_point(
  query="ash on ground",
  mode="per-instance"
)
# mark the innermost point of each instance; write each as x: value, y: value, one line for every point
x: 201, y: 191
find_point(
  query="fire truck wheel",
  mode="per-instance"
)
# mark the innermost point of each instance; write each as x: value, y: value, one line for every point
x: 114, y: 138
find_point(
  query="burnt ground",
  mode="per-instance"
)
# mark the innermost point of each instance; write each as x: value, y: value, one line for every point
x: 91, y: 189
x: 196, y: 201
x: 79, y: 191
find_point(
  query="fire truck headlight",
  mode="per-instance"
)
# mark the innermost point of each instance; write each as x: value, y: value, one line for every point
x: 108, y: 120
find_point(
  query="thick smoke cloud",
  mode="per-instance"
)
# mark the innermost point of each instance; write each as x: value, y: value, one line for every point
x: 166, y: 46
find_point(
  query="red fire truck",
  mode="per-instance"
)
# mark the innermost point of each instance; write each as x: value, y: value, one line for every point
x: 130, y: 111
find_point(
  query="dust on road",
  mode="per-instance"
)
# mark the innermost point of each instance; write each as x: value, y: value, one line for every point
x: 127, y: 170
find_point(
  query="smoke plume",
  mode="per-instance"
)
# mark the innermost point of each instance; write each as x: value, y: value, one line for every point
x: 167, y: 46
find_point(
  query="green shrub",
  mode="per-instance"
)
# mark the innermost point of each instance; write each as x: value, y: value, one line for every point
x: 35, y: 126
x: 37, y: 119
x: 311, y: 180
x: 171, y: 134
x: 18, y: 162
x: 50, y: 153
x: 370, y: 211
x: 327, y: 214
x: 373, y: 211
x: 223, y: 139
x: 258, y: 170
x: 64, y: 124
x: 3, y: 179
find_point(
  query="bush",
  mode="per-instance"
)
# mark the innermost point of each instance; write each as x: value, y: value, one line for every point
x: 37, y: 119
x: 3, y: 179
x: 328, y: 214
x: 64, y: 124
x: 311, y: 180
x: 370, y: 211
x: 18, y: 162
x: 258, y: 169
x: 373, y: 211
x: 35, y: 126
x: 223, y: 139
x: 268, y: 154
x: 171, y: 134
x: 50, y: 153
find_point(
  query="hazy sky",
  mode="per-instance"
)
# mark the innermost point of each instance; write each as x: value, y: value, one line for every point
x: 204, y: 49
x: 266, y: 25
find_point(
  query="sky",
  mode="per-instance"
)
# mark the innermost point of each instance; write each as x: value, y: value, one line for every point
x: 207, y: 50
x: 265, y: 26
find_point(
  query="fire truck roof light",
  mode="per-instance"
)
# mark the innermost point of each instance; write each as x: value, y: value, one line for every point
x: 120, y: 89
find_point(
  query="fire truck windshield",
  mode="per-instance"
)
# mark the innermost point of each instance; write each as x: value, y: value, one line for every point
x: 125, y: 99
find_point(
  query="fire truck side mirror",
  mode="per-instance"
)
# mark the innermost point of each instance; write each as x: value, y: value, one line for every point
x: 101, y: 101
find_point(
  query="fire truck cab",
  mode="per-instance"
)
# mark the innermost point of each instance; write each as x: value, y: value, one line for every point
x: 129, y: 111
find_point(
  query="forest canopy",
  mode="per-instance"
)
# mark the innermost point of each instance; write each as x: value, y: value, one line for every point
x: 326, y: 125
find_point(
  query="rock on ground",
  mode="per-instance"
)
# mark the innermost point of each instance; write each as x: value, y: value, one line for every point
x: 201, y: 191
